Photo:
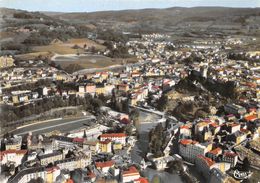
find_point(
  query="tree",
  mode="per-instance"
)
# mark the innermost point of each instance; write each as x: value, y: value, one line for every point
x: 27, y: 112
x: 38, y: 180
x: 119, y: 106
x: 84, y: 135
x: 125, y: 106
x: 72, y: 100
x: 246, y: 164
x: 75, y: 46
x: 162, y: 103
x: 102, y: 98
x: 134, y: 116
x: 157, y: 140
x: 176, y: 165
x: 129, y: 130
x: 69, y: 154
x: 96, y: 103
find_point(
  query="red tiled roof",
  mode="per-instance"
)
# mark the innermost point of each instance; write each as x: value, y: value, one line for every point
x: 233, y: 124
x: 125, y: 121
x: 92, y: 143
x: 111, y: 135
x: 69, y: 181
x: 216, y: 151
x: 166, y: 82
x: 208, y: 161
x: 139, y: 92
x: 13, y: 151
x: 252, y: 109
x: 251, y: 117
x: 156, y: 87
x: 230, y: 115
x: 81, y: 140
x: 131, y: 171
x: 52, y: 169
x: 207, y: 120
x: 244, y: 130
x: 214, y: 125
x: 250, y: 84
x: 104, y: 73
x: 141, y: 180
x: 187, y: 141
x: 185, y: 127
x: 91, y: 175
x: 107, y: 141
x: 135, y: 72
x: 105, y: 164
x: 230, y: 154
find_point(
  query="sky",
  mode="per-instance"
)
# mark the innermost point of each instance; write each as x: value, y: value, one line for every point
x: 101, y: 5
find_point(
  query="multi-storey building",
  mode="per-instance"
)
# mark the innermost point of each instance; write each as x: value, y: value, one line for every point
x: 13, y: 143
x: 6, y: 61
x: 234, y: 109
x: 104, y: 166
x: 130, y: 175
x: 213, y: 154
x: 26, y: 175
x: 105, y: 146
x: 46, y: 159
x: 12, y: 156
x: 204, y: 165
x: 76, y: 162
x: 115, y: 137
x: 190, y: 149
x: 230, y: 157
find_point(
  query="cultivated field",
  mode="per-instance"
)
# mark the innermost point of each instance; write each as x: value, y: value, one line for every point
x: 67, y: 47
x: 31, y: 56
x: 61, y: 48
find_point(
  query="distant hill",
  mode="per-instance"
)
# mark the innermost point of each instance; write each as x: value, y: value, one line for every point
x: 21, y: 30
x: 171, y: 18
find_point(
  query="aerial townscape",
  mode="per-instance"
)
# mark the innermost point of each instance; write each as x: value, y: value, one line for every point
x: 131, y: 96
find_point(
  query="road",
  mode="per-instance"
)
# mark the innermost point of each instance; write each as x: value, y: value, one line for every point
x: 63, y: 125
x: 159, y: 113
x: 92, y: 70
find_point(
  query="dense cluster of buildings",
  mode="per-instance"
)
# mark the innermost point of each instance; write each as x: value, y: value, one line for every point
x: 6, y: 61
x: 209, y: 143
x: 60, y: 158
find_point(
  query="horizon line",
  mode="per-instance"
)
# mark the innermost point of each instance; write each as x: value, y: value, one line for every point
x: 234, y: 7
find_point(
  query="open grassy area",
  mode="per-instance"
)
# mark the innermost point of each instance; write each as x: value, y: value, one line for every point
x: 61, y: 48
x: 5, y: 35
x: 254, y: 52
x: 67, y: 54
x: 253, y: 158
x: 174, y: 97
x: 57, y: 48
x: 82, y: 42
x: 255, y: 143
x: 92, y: 61
x: 31, y: 56
x: 255, y: 177
x: 66, y: 47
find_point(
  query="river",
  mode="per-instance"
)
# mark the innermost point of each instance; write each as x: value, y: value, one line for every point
x: 147, y: 122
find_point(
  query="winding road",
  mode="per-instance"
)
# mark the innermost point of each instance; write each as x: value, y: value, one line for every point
x: 63, y: 125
